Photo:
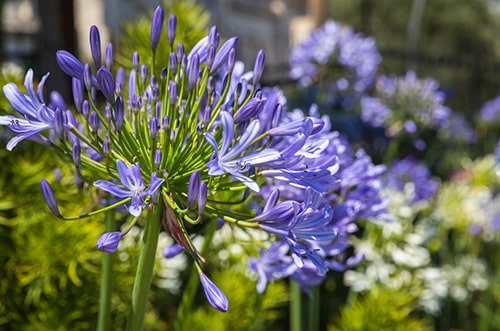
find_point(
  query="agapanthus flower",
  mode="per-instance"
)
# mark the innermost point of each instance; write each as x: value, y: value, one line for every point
x: 412, y: 177
x: 37, y: 116
x: 194, y: 138
x: 109, y: 241
x: 347, y: 61
x: 131, y: 178
x: 406, y: 104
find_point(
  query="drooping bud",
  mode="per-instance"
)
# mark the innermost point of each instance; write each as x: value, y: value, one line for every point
x: 172, y: 29
x: 157, y: 27
x: 215, y: 296
x: 95, y: 45
x: 108, y: 242
x: 172, y: 251
x: 49, y: 197
x: 258, y: 68
x: 106, y: 84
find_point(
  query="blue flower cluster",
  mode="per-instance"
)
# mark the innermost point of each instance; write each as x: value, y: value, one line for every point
x: 352, y: 59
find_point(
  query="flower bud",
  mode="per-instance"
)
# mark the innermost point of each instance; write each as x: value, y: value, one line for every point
x: 135, y: 60
x: 109, y: 56
x: 222, y: 55
x: 59, y: 121
x: 49, y: 197
x: 95, y: 45
x: 172, y: 251
x: 173, y: 93
x: 157, y: 27
x: 172, y: 29
x: 108, y: 242
x: 69, y: 64
x: 94, y: 121
x: 193, y: 70
x: 76, y: 153
x: 77, y: 89
x: 258, y: 67
x: 119, y: 114
x: 215, y: 296
x: 85, y: 108
x: 87, y: 76
x: 158, y: 158
x: 193, y: 188
x: 202, y: 197
x: 106, y: 84
x: 120, y: 80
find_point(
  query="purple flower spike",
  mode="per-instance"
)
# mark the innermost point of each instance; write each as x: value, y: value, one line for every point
x: 172, y: 29
x: 215, y: 296
x: 258, y: 67
x: 70, y: 64
x: 108, y: 242
x: 95, y: 45
x: 106, y: 84
x: 193, y: 188
x: 49, y: 197
x: 157, y: 27
x: 135, y: 188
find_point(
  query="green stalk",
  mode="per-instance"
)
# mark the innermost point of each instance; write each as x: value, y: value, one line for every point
x: 304, y: 311
x: 104, y: 315
x: 296, y: 309
x: 145, y: 266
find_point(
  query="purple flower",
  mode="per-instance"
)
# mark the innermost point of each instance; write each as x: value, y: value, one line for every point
x: 108, y: 242
x: 490, y: 111
x: 215, y: 296
x: 135, y: 188
x: 37, y: 116
x: 334, y: 45
x: 410, y: 171
x: 229, y: 160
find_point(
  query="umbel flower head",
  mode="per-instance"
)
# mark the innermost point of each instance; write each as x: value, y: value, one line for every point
x: 194, y: 137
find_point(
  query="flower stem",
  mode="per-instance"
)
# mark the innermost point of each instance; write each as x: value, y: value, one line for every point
x: 103, y: 318
x: 145, y: 266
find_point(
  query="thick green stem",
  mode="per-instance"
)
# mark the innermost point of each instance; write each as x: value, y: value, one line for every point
x: 304, y: 310
x: 104, y: 315
x: 145, y: 267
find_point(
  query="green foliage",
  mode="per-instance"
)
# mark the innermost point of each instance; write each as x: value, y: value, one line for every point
x: 380, y: 309
x: 192, y: 25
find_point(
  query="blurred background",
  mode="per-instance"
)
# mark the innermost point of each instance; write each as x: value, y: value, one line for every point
x: 454, y: 41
